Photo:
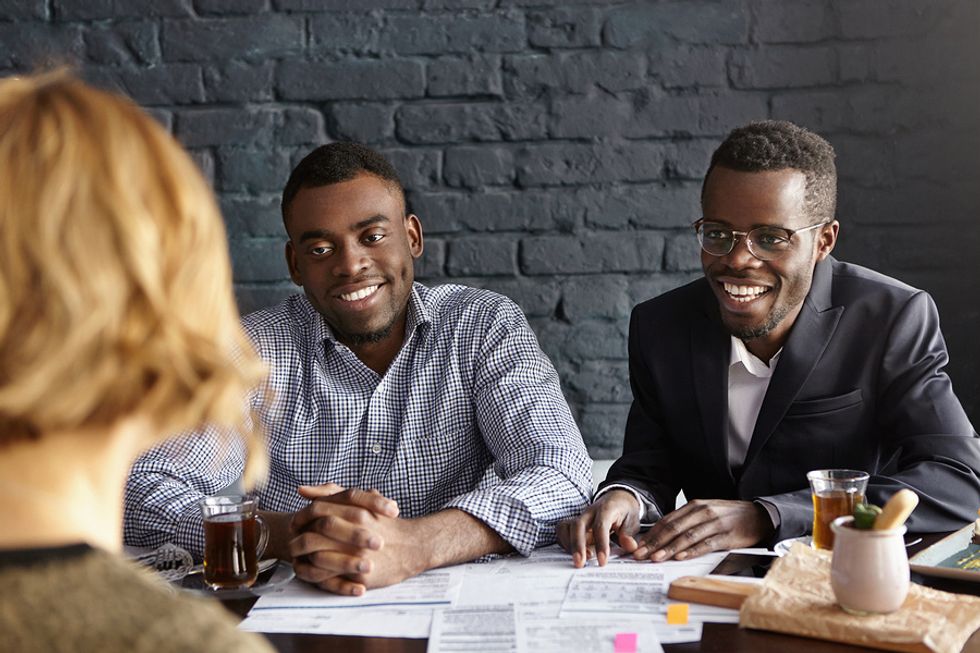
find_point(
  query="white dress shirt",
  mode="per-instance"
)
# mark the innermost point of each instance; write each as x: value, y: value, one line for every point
x: 748, y: 381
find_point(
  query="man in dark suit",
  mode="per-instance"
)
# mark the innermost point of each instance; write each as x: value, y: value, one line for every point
x: 779, y: 361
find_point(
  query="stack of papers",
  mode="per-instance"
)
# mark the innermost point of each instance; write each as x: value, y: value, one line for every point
x: 538, y: 603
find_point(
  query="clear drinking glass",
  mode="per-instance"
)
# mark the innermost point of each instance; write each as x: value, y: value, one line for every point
x: 235, y: 537
x: 835, y: 492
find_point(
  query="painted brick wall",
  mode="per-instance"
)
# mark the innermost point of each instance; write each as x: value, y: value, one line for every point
x: 554, y: 149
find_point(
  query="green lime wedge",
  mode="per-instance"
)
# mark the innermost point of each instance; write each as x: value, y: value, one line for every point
x: 865, y: 514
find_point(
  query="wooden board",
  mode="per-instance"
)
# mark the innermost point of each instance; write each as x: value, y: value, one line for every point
x: 711, y: 591
x: 731, y: 594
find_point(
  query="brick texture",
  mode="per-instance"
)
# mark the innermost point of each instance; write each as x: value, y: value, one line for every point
x: 554, y: 150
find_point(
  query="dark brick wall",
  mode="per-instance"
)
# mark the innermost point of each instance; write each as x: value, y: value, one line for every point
x: 554, y: 149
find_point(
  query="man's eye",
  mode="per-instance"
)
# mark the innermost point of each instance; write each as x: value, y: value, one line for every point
x: 771, y: 239
x: 373, y: 238
x: 717, y: 234
x: 322, y: 250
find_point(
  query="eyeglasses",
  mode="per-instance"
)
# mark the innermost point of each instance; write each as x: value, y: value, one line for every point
x: 765, y: 243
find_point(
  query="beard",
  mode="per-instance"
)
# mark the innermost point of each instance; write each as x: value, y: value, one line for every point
x: 356, y: 339
x: 744, y: 332
x: 798, y: 286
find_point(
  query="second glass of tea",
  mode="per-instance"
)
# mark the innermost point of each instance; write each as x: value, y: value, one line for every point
x: 835, y: 492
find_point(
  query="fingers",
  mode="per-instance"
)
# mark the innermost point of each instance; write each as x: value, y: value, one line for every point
x: 317, y: 491
x: 616, y: 511
x: 327, y: 580
x: 356, y: 506
x: 369, y: 499
x: 626, y: 534
x: 336, y: 532
x: 684, y: 533
x: 572, y: 537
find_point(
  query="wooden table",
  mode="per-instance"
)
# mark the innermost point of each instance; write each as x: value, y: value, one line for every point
x: 715, y: 638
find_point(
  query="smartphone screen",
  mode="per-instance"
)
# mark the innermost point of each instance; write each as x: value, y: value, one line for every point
x: 744, y: 564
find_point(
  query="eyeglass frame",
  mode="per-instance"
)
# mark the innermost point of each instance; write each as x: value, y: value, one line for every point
x: 748, y: 241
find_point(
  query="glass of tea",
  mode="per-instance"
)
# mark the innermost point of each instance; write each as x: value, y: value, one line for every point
x: 835, y: 492
x: 235, y: 537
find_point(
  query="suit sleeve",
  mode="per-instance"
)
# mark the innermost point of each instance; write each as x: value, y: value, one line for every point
x: 936, y: 448
x: 646, y: 463
x: 927, y: 442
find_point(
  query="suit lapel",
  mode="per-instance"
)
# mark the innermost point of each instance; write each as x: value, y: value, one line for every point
x: 807, y: 341
x: 710, y: 345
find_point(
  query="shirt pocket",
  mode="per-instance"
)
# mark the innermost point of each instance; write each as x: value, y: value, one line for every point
x: 825, y: 405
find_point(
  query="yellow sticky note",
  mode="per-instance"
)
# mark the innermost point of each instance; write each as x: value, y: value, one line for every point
x: 677, y: 614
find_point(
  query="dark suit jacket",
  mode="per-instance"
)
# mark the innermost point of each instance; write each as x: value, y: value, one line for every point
x: 859, y: 385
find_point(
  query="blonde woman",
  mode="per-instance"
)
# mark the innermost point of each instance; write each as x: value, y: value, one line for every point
x: 117, y: 329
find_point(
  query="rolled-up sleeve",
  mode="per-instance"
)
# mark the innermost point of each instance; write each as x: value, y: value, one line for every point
x: 167, y: 482
x: 543, y: 468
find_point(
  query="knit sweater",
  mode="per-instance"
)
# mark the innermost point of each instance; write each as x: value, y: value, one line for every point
x: 74, y: 599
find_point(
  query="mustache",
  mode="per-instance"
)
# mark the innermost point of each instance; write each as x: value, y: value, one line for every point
x: 733, y: 274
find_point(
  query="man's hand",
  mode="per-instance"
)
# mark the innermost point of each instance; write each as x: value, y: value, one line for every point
x: 336, y: 535
x: 705, y: 525
x: 614, y: 511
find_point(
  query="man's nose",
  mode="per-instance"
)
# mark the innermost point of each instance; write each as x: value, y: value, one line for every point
x: 350, y: 261
x: 741, y: 256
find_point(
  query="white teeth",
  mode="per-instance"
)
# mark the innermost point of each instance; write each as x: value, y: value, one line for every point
x: 359, y: 294
x: 744, y: 293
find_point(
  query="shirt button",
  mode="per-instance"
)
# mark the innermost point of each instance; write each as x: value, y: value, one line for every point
x: 375, y: 448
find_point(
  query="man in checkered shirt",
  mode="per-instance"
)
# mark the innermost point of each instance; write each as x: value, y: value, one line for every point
x: 408, y: 427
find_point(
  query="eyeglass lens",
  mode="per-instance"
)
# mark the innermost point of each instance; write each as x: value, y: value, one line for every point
x: 765, y: 243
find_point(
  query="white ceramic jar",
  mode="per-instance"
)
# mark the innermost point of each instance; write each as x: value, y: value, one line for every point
x: 870, y: 569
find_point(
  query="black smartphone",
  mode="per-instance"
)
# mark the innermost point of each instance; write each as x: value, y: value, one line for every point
x: 744, y: 564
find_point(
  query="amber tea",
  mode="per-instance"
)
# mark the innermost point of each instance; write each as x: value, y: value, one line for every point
x: 234, y: 539
x: 835, y: 492
x: 828, y: 507
x: 230, y: 551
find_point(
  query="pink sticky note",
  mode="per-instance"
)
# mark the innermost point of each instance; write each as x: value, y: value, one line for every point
x: 625, y: 643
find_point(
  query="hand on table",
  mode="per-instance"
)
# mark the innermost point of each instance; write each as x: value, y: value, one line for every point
x: 347, y: 540
x: 702, y: 526
x: 616, y: 511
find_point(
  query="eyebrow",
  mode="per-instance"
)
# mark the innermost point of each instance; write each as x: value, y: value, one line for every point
x: 316, y: 234
x: 753, y: 226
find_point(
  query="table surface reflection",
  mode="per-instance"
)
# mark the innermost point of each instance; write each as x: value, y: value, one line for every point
x: 715, y: 638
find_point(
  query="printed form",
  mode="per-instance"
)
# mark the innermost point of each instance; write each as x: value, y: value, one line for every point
x: 542, y: 593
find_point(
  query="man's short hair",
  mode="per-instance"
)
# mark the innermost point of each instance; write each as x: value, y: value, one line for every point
x: 778, y: 145
x: 334, y: 163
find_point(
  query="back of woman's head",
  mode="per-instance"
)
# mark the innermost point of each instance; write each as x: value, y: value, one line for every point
x: 115, y: 284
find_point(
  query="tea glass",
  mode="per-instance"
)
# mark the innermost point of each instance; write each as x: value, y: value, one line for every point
x: 835, y: 492
x: 235, y: 537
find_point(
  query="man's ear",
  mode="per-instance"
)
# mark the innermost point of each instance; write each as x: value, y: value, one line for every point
x: 826, y: 239
x: 413, y: 230
x: 293, y: 264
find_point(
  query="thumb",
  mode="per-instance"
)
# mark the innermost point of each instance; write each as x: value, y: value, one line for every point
x: 317, y: 491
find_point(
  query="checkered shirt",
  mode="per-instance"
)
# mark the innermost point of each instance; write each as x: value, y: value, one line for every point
x: 469, y: 415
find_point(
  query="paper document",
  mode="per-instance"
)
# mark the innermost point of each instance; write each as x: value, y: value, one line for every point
x: 615, y: 592
x: 410, y: 623
x: 563, y: 635
x: 535, y: 590
x: 477, y: 629
x: 431, y: 589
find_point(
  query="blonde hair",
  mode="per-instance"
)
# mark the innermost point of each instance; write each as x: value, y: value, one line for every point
x: 115, y: 282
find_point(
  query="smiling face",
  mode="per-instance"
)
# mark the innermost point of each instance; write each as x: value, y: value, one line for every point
x: 759, y: 300
x: 351, y: 247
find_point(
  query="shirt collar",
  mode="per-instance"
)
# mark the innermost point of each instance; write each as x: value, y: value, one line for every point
x: 752, y: 363
x: 416, y: 315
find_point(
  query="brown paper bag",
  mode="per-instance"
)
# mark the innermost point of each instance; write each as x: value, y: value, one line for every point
x: 796, y: 598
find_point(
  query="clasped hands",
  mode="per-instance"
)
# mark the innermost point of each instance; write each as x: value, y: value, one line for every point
x: 348, y: 540
x: 698, y: 527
